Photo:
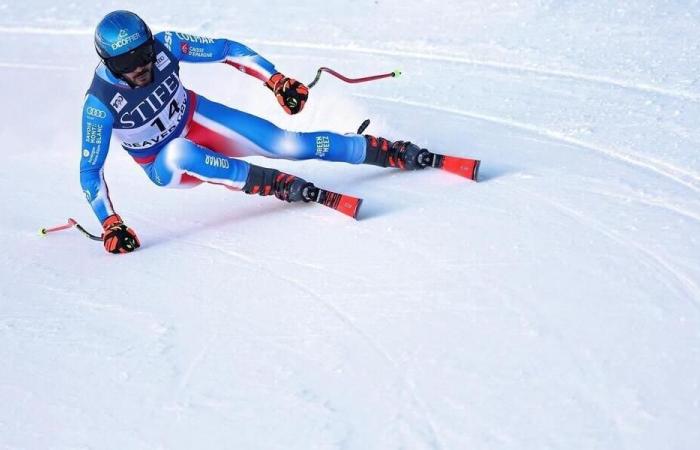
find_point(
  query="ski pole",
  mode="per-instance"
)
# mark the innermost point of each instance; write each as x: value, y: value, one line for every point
x: 394, y: 74
x: 71, y: 223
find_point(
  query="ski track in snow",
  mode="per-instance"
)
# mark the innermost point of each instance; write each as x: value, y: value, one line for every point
x: 196, y: 361
x: 419, y: 406
x: 646, y: 200
x: 668, y: 170
x: 690, y: 288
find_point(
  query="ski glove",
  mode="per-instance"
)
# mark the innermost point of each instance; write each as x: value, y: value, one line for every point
x: 290, y: 93
x: 117, y: 237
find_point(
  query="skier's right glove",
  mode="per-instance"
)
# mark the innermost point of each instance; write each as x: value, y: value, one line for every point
x: 117, y: 237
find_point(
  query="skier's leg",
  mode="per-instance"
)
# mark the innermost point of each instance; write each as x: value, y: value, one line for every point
x: 184, y: 164
x: 236, y: 133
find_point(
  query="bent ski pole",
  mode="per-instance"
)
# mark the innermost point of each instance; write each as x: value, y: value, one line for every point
x: 71, y: 223
x: 394, y: 74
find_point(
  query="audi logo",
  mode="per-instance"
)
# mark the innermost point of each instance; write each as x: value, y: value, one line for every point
x: 94, y: 112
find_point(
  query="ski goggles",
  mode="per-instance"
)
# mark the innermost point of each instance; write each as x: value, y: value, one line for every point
x: 130, y: 61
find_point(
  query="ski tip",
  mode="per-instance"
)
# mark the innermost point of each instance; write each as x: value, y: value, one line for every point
x: 357, y: 209
x: 350, y: 206
x: 346, y: 204
x: 464, y: 167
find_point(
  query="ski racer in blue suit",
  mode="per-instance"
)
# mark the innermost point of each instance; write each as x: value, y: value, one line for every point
x: 181, y: 139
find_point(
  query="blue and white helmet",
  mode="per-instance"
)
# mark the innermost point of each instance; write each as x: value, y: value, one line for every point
x: 120, y: 32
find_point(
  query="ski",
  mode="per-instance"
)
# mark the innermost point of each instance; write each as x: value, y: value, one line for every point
x: 345, y: 204
x: 464, y: 167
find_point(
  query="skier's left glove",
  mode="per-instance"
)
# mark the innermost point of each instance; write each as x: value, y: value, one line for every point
x: 290, y: 93
x: 118, y: 238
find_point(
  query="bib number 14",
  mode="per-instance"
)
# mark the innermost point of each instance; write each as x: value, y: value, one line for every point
x: 174, y: 109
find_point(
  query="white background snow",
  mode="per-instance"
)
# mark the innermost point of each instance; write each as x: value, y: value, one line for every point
x: 555, y: 304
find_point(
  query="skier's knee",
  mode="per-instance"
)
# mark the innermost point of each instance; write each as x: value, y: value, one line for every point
x: 290, y: 145
x: 176, y: 153
x: 170, y: 162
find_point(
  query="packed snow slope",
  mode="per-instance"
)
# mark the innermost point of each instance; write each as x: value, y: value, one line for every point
x: 555, y: 304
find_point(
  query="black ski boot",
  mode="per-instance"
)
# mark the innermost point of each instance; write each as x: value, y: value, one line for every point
x: 400, y: 154
x: 264, y: 181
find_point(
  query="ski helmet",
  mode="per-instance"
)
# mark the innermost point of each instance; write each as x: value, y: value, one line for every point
x: 120, y: 32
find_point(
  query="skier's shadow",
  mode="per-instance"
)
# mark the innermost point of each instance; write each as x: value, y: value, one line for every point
x: 489, y: 172
x: 373, y: 206
x: 369, y: 210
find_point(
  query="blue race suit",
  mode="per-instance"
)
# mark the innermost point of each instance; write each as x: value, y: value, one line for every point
x: 182, y: 139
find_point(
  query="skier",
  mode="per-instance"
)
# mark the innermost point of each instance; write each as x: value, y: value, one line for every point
x: 181, y: 139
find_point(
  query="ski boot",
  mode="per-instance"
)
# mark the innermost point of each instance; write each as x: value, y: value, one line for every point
x: 399, y: 154
x: 264, y: 181
x: 407, y: 156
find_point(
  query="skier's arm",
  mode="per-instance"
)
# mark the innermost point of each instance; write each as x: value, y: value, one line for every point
x: 290, y: 93
x: 197, y: 49
x: 97, y: 131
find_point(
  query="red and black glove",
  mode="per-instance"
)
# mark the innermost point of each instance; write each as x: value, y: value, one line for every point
x: 117, y: 237
x: 290, y: 93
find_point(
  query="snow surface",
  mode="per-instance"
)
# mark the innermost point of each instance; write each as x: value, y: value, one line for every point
x: 555, y: 304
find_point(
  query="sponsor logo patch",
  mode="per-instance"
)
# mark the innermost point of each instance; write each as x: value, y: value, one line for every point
x: 323, y: 144
x: 162, y: 61
x: 199, y: 52
x: 124, y: 39
x: 196, y: 39
x: 215, y: 161
x: 168, y: 41
x: 94, y: 112
x: 118, y: 102
x: 185, y: 47
x: 93, y: 133
x: 93, y: 155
